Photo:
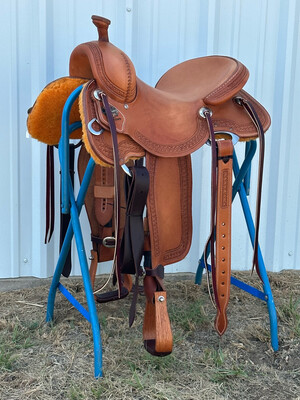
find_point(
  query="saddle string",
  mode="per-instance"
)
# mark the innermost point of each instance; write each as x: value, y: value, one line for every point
x: 117, y: 185
x: 248, y: 107
x: 207, y: 114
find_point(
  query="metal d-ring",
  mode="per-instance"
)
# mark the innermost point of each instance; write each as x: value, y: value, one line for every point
x: 92, y: 130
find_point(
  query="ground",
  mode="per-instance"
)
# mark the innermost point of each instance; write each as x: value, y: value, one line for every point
x: 39, y: 361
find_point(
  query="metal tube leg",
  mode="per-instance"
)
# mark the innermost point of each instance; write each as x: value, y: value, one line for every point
x: 199, y: 272
x: 262, y: 268
x: 87, y: 286
x: 74, y: 228
x: 57, y: 273
x: 67, y: 241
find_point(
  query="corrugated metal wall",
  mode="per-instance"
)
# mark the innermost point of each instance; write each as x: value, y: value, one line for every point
x: 36, y: 39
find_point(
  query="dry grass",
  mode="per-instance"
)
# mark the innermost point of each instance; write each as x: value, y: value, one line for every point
x: 39, y: 361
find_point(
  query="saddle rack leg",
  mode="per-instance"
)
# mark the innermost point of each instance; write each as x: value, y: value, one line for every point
x: 74, y: 228
x: 266, y: 295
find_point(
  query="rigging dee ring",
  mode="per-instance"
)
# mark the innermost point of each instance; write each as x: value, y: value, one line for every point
x: 92, y: 130
x: 98, y: 133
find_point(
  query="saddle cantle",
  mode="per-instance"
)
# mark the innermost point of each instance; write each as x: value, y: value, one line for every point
x: 125, y: 120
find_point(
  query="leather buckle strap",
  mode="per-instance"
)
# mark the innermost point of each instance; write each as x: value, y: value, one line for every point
x: 221, y: 198
x: 108, y: 241
x: 222, y: 273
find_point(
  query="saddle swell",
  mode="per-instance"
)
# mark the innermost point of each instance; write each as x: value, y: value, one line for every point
x: 109, y: 66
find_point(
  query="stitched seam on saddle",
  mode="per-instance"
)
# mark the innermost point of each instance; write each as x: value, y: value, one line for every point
x: 197, y: 137
x: 151, y: 161
x: 218, y: 92
x: 129, y: 78
x: 116, y: 90
x: 185, y: 214
x: 225, y: 188
x: 231, y: 125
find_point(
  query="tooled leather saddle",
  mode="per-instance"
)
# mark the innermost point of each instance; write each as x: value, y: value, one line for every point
x: 147, y: 135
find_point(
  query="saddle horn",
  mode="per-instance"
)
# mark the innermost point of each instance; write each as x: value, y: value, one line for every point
x: 102, y: 25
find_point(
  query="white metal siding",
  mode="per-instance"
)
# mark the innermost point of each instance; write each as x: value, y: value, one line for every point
x: 36, y: 39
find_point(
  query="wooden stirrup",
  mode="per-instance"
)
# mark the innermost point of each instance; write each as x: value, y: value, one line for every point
x: 157, y: 332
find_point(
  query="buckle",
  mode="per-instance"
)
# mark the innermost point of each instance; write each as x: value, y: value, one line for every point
x: 109, y: 242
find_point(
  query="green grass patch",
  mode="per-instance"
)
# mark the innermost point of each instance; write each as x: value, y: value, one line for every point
x: 188, y: 316
x: 214, y: 357
x: 7, y: 358
x: 289, y: 312
x: 221, y: 375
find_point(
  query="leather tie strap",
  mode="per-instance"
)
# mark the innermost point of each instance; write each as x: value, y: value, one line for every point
x: 211, y: 239
x: 261, y: 137
x: 117, y: 186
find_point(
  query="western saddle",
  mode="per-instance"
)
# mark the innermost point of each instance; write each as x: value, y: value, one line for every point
x: 139, y: 202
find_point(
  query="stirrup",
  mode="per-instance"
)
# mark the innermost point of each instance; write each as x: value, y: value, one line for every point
x: 157, y: 332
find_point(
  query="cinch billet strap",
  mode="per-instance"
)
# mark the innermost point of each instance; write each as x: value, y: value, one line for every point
x: 136, y: 189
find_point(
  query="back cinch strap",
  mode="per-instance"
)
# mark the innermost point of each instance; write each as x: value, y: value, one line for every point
x: 50, y: 207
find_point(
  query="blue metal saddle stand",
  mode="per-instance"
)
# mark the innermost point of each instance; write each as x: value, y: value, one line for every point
x: 72, y: 206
